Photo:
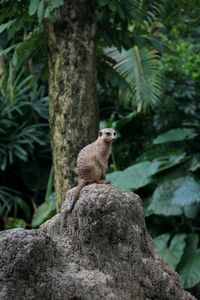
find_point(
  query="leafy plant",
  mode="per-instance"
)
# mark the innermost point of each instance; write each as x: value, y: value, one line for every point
x: 190, y: 265
x: 172, y: 252
x: 174, y: 135
x: 18, y: 135
x: 23, y: 129
x: 47, y: 209
x: 182, y: 254
x: 168, y: 176
x: 11, y: 201
x: 141, y: 70
x: 43, y: 8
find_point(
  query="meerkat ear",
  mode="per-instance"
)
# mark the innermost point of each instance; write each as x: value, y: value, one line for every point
x: 100, y: 133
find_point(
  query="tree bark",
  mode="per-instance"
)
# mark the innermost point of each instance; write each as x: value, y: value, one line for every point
x: 73, y: 112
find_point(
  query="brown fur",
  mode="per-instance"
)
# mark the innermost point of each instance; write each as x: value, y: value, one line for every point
x: 92, y: 161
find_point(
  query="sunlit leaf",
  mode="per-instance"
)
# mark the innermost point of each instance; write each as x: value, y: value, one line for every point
x: 161, y: 203
x: 45, y: 211
x: 175, y: 135
x: 33, y: 6
x: 187, y: 193
x: 170, y: 252
x: 11, y: 223
x: 135, y: 176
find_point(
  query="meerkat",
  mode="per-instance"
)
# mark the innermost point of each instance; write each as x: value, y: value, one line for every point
x: 92, y: 161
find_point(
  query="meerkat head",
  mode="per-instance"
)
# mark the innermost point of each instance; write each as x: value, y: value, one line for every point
x: 107, y: 134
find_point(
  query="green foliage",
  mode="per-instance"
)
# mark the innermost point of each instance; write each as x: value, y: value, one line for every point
x: 175, y: 135
x: 189, y: 269
x: 135, y: 176
x: 187, y: 193
x: 44, y: 212
x: 125, y: 23
x: 140, y: 174
x: 18, y: 135
x: 43, y: 8
x: 23, y: 133
x: 156, y: 154
x: 47, y: 209
x: 172, y: 252
x: 141, y: 70
x: 183, y: 252
x: 11, y: 200
x: 161, y: 204
x: 171, y: 198
x: 15, y: 223
x: 6, y: 25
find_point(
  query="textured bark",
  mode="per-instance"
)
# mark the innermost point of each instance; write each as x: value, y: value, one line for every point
x: 101, y: 250
x: 73, y: 110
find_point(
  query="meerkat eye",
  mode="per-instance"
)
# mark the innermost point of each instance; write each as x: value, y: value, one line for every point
x: 108, y: 133
x: 114, y: 133
x: 100, y: 133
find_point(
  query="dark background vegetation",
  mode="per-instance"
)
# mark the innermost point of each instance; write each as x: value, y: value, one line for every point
x: 148, y: 66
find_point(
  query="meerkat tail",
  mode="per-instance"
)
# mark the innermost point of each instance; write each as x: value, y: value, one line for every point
x: 81, y: 184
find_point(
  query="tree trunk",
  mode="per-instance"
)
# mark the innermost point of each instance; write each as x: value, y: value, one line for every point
x: 73, y: 112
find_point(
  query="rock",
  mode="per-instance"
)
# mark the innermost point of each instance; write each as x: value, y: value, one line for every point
x: 102, y: 250
x: 26, y: 260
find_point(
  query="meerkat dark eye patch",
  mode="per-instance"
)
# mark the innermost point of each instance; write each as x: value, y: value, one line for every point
x: 114, y: 133
x: 108, y: 133
x: 100, y: 133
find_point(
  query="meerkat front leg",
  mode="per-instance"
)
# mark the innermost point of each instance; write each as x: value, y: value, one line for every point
x: 103, y: 167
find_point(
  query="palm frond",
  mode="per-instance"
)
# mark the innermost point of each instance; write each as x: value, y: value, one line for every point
x: 141, y: 70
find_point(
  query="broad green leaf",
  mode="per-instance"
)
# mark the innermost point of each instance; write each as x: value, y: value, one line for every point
x: 135, y: 176
x: 175, y: 135
x: 191, y: 247
x: 191, y: 211
x: 190, y: 274
x: 195, y: 163
x: 47, y: 12
x: 171, y: 254
x: 103, y: 2
x: 42, y: 213
x: 40, y: 11
x: 33, y: 6
x: 161, y: 203
x: 188, y: 192
x: 45, y: 211
x: 126, y: 119
x: 6, y: 25
x: 52, y: 4
x: 11, y: 223
x: 172, y: 160
x: 147, y: 211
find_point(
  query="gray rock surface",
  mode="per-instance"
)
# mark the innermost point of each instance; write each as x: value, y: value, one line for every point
x: 101, y: 250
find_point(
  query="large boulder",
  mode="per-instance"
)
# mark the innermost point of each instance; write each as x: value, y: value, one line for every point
x: 101, y: 250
